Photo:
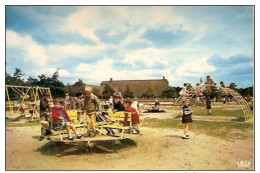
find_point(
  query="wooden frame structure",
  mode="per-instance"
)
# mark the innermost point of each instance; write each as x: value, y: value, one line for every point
x: 24, y: 92
x: 191, y: 92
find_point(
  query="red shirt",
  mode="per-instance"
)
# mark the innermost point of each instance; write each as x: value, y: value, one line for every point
x: 56, y: 115
x: 134, y: 116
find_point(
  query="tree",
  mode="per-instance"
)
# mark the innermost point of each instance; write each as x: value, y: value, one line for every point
x: 149, y: 92
x: 55, y: 76
x: 178, y: 90
x: 55, y: 85
x: 32, y: 81
x: 16, y: 79
x: 128, y: 93
x: 233, y: 86
x: 96, y: 91
x: 108, y: 91
x: 42, y: 77
x: 170, y: 92
x: 18, y: 74
x: 79, y: 83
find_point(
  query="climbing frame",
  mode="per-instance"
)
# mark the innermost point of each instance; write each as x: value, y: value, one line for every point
x: 241, y: 101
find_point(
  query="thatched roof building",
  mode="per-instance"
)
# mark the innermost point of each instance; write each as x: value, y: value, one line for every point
x: 138, y: 87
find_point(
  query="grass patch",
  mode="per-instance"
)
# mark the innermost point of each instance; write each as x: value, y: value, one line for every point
x: 216, y: 111
x: 217, y: 129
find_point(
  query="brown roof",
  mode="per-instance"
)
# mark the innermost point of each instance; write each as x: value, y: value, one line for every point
x: 138, y: 87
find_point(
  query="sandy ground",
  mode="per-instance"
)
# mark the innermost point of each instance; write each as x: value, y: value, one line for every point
x: 156, y: 149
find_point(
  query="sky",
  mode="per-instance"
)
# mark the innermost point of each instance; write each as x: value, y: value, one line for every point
x: 96, y: 43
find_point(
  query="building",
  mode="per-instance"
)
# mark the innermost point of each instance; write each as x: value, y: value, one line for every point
x: 138, y: 87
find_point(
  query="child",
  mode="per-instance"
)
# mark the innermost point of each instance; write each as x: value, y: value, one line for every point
x: 45, y: 114
x: 61, y: 119
x: 208, y: 105
x: 118, y: 106
x: 134, y: 115
x: 105, y: 112
x: 135, y: 104
x: 21, y: 108
x: 186, y: 119
x: 78, y: 104
x: 91, y: 105
x: 32, y: 111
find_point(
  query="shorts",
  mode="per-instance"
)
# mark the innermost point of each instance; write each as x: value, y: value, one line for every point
x: 91, y: 113
x: 186, y: 119
x: 208, y: 106
x: 57, y: 126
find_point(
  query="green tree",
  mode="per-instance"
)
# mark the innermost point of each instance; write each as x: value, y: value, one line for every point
x: 108, y: 91
x: 32, y: 81
x: 170, y: 92
x: 96, y: 91
x: 56, y: 86
x: 18, y: 74
x: 16, y: 79
x: 149, y: 92
x: 233, y: 86
x: 128, y: 93
x: 55, y: 76
x: 79, y: 83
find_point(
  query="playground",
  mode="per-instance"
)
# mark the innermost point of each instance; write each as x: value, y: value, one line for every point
x: 221, y: 141
x: 217, y: 143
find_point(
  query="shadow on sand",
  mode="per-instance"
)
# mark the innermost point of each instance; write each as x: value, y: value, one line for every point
x: 62, y: 149
x: 174, y: 136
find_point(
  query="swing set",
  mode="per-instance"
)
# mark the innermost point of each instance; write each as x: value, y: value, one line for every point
x: 25, y: 92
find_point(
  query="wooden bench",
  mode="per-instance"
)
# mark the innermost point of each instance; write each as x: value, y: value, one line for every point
x: 117, y: 120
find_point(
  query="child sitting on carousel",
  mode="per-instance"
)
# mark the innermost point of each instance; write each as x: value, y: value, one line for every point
x: 61, y: 120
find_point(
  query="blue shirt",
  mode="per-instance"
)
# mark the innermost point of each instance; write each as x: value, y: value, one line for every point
x: 186, y: 110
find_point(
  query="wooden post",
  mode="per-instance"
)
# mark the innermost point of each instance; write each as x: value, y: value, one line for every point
x: 9, y: 102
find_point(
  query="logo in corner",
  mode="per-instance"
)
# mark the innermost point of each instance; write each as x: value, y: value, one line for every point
x: 241, y: 164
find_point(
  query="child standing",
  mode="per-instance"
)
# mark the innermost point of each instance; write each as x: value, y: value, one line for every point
x: 208, y: 104
x: 134, y: 115
x: 186, y: 119
x: 91, y: 106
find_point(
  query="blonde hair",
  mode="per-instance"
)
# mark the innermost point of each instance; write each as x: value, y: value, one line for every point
x: 88, y: 88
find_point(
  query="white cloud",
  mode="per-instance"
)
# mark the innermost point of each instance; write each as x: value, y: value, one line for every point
x: 103, y: 70
x: 187, y: 59
x: 197, y: 67
x: 66, y: 51
x: 64, y: 73
x: 27, y: 48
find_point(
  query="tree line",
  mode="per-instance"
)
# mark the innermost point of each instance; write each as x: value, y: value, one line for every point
x: 58, y: 89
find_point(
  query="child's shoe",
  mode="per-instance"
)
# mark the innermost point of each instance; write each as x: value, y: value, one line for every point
x: 70, y: 138
x: 79, y: 136
x: 185, y: 137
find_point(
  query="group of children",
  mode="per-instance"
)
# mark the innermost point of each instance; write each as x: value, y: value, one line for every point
x: 55, y: 116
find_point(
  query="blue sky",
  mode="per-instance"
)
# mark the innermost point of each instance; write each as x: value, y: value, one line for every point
x: 96, y: 43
